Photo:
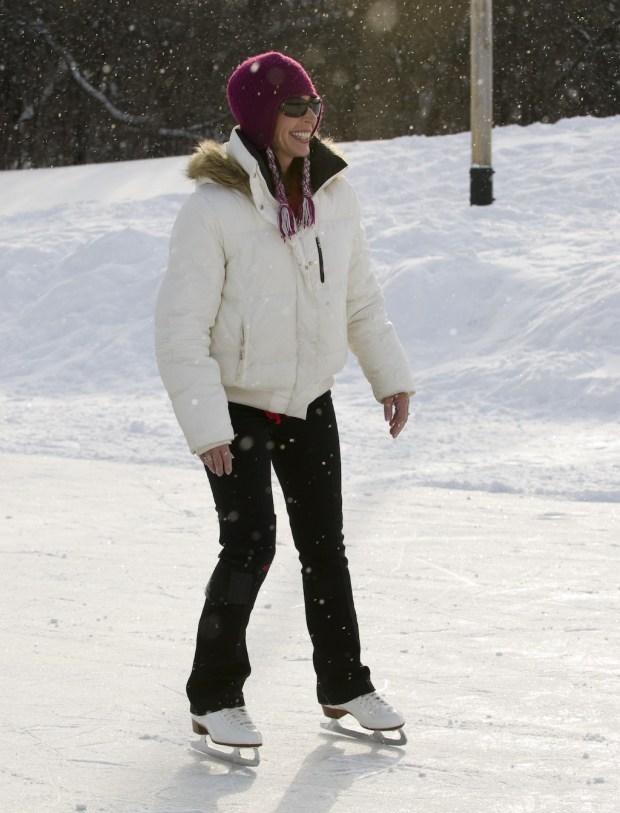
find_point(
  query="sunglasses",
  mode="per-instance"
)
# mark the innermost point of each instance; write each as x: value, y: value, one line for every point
x: 297, y: 107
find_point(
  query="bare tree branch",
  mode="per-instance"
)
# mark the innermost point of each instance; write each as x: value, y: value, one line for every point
x: 126, y: 118
x: 129, y: 119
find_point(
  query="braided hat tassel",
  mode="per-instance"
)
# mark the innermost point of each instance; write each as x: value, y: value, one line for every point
x: 306, y: 210
x: 287, y: 223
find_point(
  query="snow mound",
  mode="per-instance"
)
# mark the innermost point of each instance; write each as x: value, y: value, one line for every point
x: 508, y: 312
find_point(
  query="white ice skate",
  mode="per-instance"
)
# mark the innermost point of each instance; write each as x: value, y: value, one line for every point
x: 373, y: 713
x: 229, y: 727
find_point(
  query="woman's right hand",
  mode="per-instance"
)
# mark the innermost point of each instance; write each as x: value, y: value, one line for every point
x: 218, y: 460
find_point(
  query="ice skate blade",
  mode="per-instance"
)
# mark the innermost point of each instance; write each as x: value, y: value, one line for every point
x: 234, y: 757
x: 379, y: 737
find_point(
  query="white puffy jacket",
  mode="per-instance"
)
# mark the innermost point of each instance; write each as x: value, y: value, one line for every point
x: 243, y: 316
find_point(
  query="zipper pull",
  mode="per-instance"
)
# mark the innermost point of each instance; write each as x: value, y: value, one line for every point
x: 321, y: 267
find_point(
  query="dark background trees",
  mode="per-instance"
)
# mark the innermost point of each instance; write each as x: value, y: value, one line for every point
x: 108, y: 80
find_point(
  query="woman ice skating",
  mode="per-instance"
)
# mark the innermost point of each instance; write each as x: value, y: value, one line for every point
x: 268, y: 286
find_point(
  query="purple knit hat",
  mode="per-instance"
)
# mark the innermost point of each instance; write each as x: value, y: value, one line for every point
x: 257, y: 88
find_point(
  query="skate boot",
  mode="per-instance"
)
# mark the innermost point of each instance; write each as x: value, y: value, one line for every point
x: 372, y: 713
x: 228, y: 727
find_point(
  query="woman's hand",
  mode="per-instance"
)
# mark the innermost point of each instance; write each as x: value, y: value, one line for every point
x: 396, y: 411
x: 218, y: 460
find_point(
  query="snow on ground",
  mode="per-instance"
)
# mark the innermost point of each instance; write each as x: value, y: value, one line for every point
x: 484, y: 543
x: 490, y: 619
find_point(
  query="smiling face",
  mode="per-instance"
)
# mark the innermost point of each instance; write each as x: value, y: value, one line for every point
x: 292, y: 136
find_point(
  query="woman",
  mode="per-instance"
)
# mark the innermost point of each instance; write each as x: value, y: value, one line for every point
x: 268, y: 285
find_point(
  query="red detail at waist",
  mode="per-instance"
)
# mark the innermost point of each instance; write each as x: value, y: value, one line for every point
x: 274, y: 416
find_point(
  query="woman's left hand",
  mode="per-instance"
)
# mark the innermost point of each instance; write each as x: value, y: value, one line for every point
x: 396, y: 411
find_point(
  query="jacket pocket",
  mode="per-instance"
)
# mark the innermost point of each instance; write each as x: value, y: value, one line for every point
x: 242, y: 365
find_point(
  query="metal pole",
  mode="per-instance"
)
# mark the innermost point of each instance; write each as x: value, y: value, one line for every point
x: 481, y: 172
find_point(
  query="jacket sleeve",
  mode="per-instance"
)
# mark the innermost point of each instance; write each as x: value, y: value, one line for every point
x: 371, y: 336
x: 187, y: 305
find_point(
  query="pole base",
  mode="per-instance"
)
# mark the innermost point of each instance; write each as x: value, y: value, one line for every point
x: 481, y: 186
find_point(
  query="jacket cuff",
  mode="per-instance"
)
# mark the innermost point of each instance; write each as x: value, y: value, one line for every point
x: 202, y: 449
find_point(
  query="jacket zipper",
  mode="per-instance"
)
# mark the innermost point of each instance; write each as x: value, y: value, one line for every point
x: 321, y: 267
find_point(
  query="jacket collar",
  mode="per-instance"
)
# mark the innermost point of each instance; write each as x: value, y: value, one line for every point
x: 325, y: 163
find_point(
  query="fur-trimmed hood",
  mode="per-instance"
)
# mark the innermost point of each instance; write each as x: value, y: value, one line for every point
x: 230, y: 165
x: 211, y: 161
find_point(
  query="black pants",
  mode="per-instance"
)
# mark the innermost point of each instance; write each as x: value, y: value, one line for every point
x: 306, y: 458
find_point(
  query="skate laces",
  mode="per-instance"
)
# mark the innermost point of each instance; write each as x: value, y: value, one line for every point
x: 238, y: 716
x: 374, y: 700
